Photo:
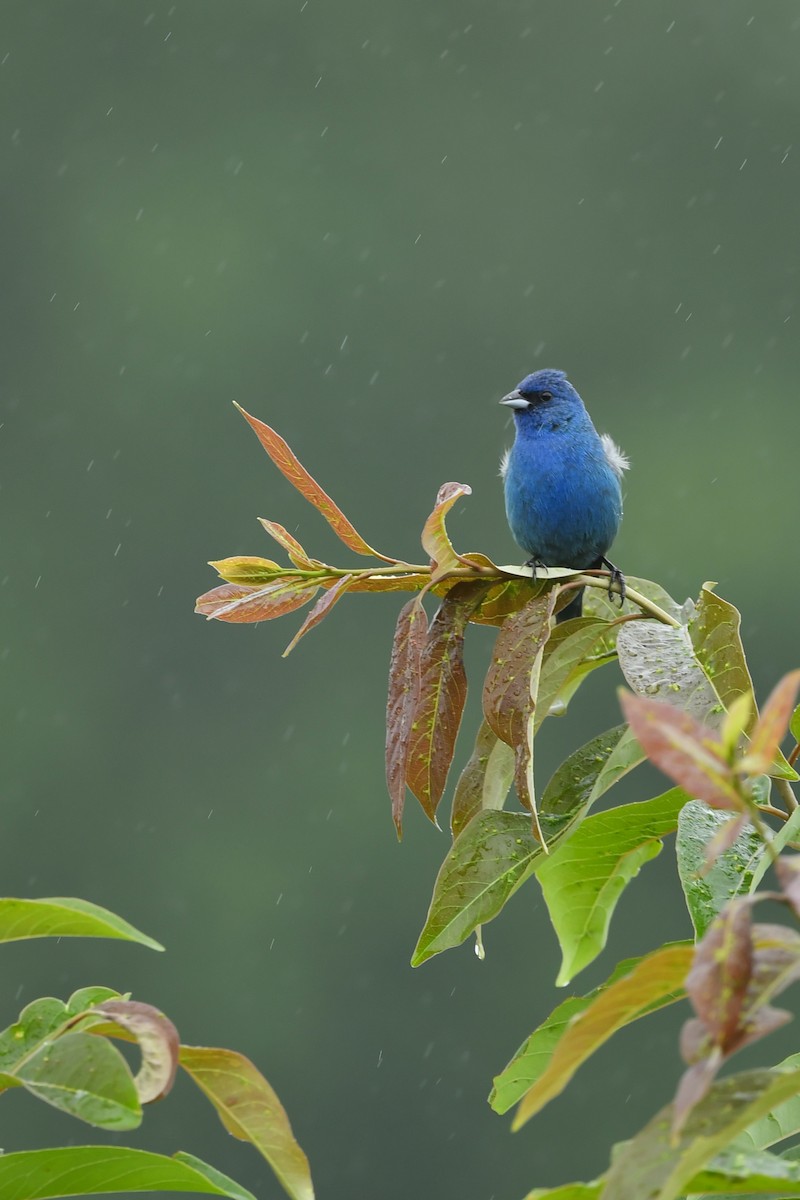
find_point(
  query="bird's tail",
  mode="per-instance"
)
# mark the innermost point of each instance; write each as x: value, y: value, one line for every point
x: 573, y: 609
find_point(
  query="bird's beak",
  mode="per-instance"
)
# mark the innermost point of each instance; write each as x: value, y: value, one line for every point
x: 515, y: 399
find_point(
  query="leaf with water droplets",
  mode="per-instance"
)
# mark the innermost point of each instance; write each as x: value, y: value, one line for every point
x: 708, y: 887
x: 404, y: 679
x: 485, y: 781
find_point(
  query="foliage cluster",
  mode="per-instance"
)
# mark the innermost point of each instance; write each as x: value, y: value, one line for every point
x: 689, y: 707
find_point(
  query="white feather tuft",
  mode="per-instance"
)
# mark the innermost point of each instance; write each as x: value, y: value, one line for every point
x: 616, y: 459
x: 504, y: 463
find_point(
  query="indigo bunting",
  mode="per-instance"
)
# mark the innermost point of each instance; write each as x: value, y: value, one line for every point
x: 562, y: 481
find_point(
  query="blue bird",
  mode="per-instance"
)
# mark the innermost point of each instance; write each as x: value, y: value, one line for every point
x: 562, y: 481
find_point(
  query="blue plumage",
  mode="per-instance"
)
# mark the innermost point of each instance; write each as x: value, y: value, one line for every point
x: 562, y: 480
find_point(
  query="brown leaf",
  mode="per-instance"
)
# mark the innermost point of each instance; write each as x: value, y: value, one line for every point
x: 158, y: 1042
x: 772, y: 725
x: 320, y: 610
x: 511, y: 685
x: 235, y: 602
x: 291, y: 467
x: 787, y: 868
x: 404, y: 679
x: 687, y: 751
x: 442, y: 693
x: 435, y: 540
x: 721, y: 970
x: 290, y: 544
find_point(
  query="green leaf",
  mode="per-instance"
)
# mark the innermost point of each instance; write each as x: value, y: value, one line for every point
x: 585, y: 877
x: 60, y: 916
x: 534, y: 1055
x: 779, y: 1123
x: 714, y: 629
x: 598, y: 603
x: 657, y: 979
x: 709, y: 888
x: 85, y: 1076
x: 250, y: 1110
x: 658, y: 661
x: 655, y: 1165
x: 567, y: 661
x: 93, y: 1170
x: 588, y: 773
x: 485, y: 781
x: 788, y: 832
x: 794, y: 724
x: 758, y: 1173
x: 248, y: 570
x: 486, y: 864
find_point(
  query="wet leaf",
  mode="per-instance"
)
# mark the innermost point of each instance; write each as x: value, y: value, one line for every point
x: 435, y: 541
x: 772, y: 725
x: 321, y: 609
x: 656, y: 979
x: 583, y: 879
x: 291, y: 467
x: 511, y: 686
x: 158, y: 1042
x: 683, y: 749
x: 503, y: 599
x: 235, y: 602
x: 598, y: 603
x: 250, y: 1110
x: 714, y: 629
x: 404, y: 679
x: 485, y: 781
x: 250, y: 571
x: 535, y: 1053
x: 708, y: 889
x: 84, y: 1076
x: 486, y: 864
x: 587, y: 774
x: 93, y: 1170
x: 440, y: 701
x: 290, y: 544
x: 567, y: 660
x: 654, y: 1164
x: 733, y: 1173
x: 65, y: 916
x: 658, y: 661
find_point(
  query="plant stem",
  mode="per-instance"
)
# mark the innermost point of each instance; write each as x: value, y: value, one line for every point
x: 783, y: 787
x: 635, y: 597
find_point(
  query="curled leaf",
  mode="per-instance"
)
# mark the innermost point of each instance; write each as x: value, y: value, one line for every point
x: 435, y: 540
x: 158, y: 1042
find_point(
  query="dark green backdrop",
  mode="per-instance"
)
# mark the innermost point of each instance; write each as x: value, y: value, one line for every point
x: 365, y: 222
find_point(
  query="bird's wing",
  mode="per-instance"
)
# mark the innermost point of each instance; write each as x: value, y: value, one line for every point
x: 616, y: 459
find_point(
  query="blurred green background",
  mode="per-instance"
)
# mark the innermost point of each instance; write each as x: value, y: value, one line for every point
x: 364, y: 222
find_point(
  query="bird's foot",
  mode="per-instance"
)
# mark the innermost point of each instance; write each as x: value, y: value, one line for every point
x: 617, y: 579
x: 535, y: 563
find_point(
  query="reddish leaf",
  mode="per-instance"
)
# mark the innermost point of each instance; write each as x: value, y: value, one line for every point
x: 687, y: 751
x: 440, y: 703
x: 235, y: 602
x: 158, y: 1042
x: 787, y: 868
x: 244, y: 569
x: 290, y: 466
x: 320, y: 610
x: 772, y: 725
x: 290, y: 544
x: 435, y: 540
x: 511, y: 685
x: 721, y: 971
x: 404, y: 678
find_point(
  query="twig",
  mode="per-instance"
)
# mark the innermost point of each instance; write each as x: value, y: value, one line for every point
x: 783, y: 787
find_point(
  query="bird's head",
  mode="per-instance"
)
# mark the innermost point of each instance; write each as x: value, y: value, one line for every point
x: 542, y: 398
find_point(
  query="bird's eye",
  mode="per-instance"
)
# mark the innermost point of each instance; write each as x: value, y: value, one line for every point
x: 546, y: 395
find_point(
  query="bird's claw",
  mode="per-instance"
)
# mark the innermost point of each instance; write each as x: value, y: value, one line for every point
x: 533, y: 563
x: 616, y: 578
